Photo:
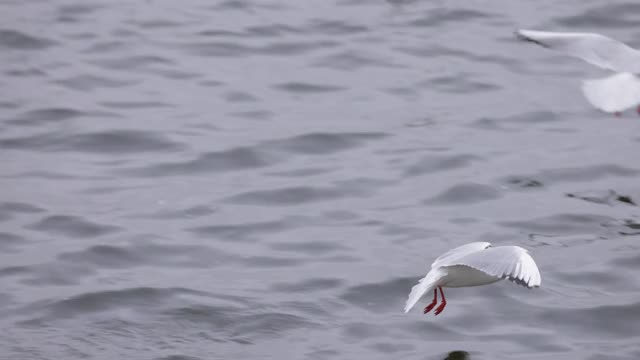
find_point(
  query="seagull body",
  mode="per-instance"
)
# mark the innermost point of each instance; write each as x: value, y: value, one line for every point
x: 612, y: 94
x: 474, y: 264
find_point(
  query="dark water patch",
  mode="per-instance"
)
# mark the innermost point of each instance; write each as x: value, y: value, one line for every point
x: 187, y: 213
x: 105, y: 142
x: 157, y: 24
x: 239, y: 96
x: 175, y: 74
x: 141, y: 299
x: 253, y: 114
x: 628, y: 228
x: 12, y: 39
x: 79, y: 9
x: 57, y: 274
x: 466, y: 193
x: 235, y: 49
x: 51, y: 175
x: 270, y: 30
x: 609, y: 197
x: 323, y: 143
x: 100, y: 47
x: 382, y: 296
x: 270, y: 324
x: 121, y: 142
x: 135, y: 104
x: 26, y: 72
x: 522, y: 182
x: 147, y: 254
x: 14, y: 270
x: 211, y: 83
x: 270, y: 262
x: 178, y: 357
x: 334, y: 28
x: 608, y: 16
x: 301, y: 172
x: 390, y: 348
x: 310, y: 248
x: 439, y: 17
x: 632, y: 262
x: 350, y: 60
x: 404, y: 232
x: 72, y: 226
x: 514, y: 122
x: 250, y: 231
x: 46, y: 116
x: 458, y: 84
x: 563, y: 224
x: 240, y: 158
x: 307, y: 88
x: 308, y: 285
x: 87, y: 82
x: 9, y: 209
x: 580, y: 174
x: 133, y: 62
x: 216, y: 315
x: 294, y: 195
x: 431, y: 164
x: 432, y: 51
x: 10, y: 241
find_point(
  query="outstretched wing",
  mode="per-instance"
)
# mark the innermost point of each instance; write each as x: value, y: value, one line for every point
x: 595, y: 49
x: 461, y: 251
x: 507, y: 262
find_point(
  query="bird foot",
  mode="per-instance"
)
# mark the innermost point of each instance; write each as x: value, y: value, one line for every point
x: 440, y: 308
x: 429, y: 307
x: 618, y: 113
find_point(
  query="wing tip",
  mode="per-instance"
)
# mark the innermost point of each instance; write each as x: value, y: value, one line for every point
x: 527, y: 35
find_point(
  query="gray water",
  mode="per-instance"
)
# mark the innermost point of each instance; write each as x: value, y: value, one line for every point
x: 268, y: 179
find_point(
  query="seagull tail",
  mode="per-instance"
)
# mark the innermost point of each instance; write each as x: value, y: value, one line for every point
x: 425, y: 285
x: 615, y: 93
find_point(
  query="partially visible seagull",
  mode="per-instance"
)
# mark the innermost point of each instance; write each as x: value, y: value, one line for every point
x: 474, y: 264
x: 612, y: 94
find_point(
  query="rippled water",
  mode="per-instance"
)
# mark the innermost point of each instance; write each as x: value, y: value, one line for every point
x: 267, y: 179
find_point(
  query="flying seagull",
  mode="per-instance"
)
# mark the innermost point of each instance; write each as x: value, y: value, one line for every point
x: 612, y: 94
x: 474, y: 264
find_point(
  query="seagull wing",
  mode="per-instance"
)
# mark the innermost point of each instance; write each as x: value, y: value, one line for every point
x: 506, y: 262
x: 454, y: 254
x: 595, y: 49
x: 425, y: 285
x: 615, y: 93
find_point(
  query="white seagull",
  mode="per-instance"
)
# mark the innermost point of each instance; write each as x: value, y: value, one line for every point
x: 474, y: 264
x: 612, y: 94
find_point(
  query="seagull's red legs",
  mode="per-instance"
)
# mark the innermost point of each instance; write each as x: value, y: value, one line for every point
x: 618, y: 113
x: 433, y: 303
x: 444, y: 302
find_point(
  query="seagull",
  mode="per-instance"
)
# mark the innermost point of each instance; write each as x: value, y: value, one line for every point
x: 612, y: 94
x: 474, y: 264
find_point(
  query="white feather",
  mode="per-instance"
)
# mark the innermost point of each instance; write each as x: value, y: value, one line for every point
x: 425, y: 285
x: 612, y: 94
